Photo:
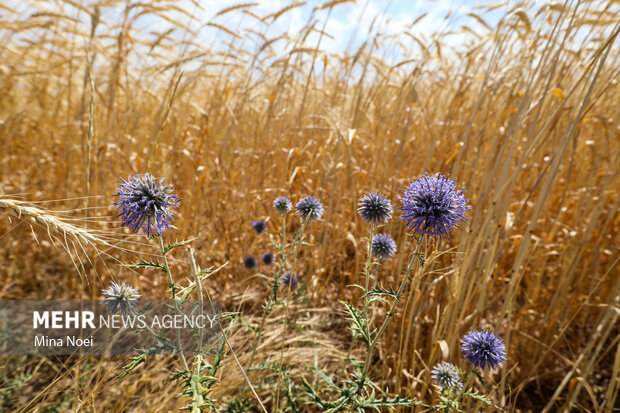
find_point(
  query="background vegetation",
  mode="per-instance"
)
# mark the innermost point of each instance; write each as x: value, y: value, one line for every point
x: 524, y: 113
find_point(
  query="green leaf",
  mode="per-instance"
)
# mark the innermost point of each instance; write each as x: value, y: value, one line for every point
x: 313, y: 394
x: 358, y: 322
x: 477, y: 396
x: 388, y: 402
x: 147, y: 264
x: 325, y: 378
x: 383, y: 292
x: 135, y: 362
x: 178, y: 244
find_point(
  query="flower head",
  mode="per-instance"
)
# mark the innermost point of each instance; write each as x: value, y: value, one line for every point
x: 446, y: 376
x: 375, y: 208
x: 267, y: 258
x: 383, y: 246
x: 432, y: 206
x: 289, y: 280
x: 309, y: 208
x: 250, y: 262
x: 282, y: 204
x: 483, y: 349
x: 144, y: 202
x: 259, y: 226
x: 120, y: 297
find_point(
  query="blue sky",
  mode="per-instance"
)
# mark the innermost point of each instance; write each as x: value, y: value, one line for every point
x: 348, y: 23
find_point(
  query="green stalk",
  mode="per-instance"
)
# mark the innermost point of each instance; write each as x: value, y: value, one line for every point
x: 297, y: 243
x: 198, y: 281
x: 282, y: 255
x: 173, y: 289
x: 373, y: 227
x: 373, y: 343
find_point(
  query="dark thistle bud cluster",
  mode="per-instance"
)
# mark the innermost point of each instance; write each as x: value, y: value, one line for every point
x: 383, y: 246
x: 375, y: 208
x: 447, y: 377
x: 250, y: 263
x: 267, y: 258
x: 309, y: 208
x: 289, y: 280
x: 259, y: 226
x: 282, y: 205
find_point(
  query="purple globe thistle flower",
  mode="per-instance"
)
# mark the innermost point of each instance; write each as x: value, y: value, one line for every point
x: 144, y: 202
x: 375, y: 208
x: 289, y: 280
x: 267, y: 258
x: 309, y: 208
x: 259, y: 226
x: 383, y: 246
x: 249, y: 262
x: 432, y: 206
x: 120, y: 297
x: 446, y: 376
x: 282, y: 204
x: 483, y: 349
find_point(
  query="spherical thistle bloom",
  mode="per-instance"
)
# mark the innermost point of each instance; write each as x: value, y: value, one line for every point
x: 267, y: 258
x: 120, y: 297
x: 289, y: 280
x: 144, y: 202
x: 250, y: 262
x: 383, y: 246
x: 432, y: 206
x: 309, y: 208
x: 259, y: 226
x: 446, y: 376
x: 282, y: 204
x: 375, y: 208
x: 483, y: 349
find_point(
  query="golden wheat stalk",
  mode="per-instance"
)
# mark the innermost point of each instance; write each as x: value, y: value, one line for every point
x: 49, y: 222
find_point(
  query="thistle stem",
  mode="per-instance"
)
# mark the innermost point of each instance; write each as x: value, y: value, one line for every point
x: 298, y: 241
x: 373, y: 227
x: 173, y: 289
x: 171, y: 284
x: 273, y: 297
x: 198, y: 281
x: 375, y: 341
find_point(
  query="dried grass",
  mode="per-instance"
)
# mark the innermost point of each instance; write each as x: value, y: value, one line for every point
x: 525, y: 116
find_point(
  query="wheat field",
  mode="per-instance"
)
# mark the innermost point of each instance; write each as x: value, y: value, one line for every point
x: 523, y: 112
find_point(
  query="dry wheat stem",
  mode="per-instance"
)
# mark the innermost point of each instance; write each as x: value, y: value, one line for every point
x: 49, y: 222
